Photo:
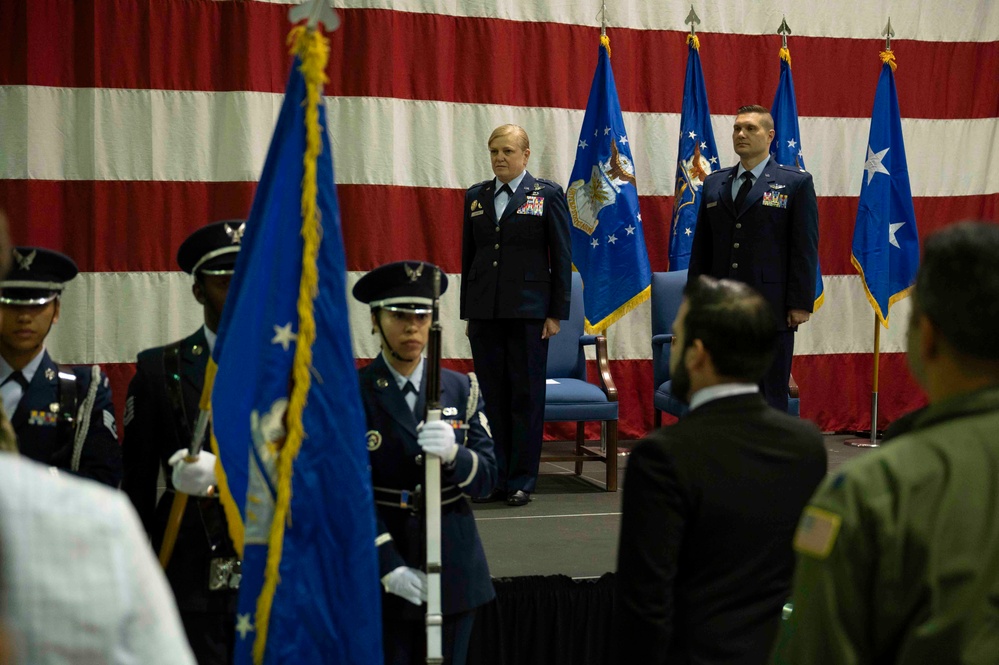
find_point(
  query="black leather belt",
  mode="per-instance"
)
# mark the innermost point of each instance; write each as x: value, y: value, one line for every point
x: 412, y: 499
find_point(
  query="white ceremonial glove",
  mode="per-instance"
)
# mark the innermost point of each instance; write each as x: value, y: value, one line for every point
x: 194, y: 478
x: 407, y: 583
x: 437, y: 438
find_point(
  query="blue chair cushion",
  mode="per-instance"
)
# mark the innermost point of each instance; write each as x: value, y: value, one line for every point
x: 794, y: 407
x: 572, y: 400
x: 664, y: 400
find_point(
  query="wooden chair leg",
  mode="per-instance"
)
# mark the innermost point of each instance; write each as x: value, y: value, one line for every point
x: 580, y: 440
x: 611, y: 455
x: 657, y: 418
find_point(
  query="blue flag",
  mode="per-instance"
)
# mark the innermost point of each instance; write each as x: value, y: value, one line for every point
x: 786, y: 147
x: 608, y: 244
x: 288, y: 421
x: 885, y: 241
x: 696, y: 158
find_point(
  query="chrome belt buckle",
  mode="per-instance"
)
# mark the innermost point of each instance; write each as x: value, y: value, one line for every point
x: 224, y: 573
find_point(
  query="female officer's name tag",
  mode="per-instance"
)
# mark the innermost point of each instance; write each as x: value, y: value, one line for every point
x: 535, y: 205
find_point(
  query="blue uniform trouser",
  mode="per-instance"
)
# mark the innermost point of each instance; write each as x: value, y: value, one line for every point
x: 510, y: 362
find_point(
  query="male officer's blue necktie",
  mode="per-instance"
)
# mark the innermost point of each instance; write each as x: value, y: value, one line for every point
x: 740, y: 196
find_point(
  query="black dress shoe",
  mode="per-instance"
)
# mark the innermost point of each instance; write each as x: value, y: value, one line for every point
x: 495, y: 495
x: 518, y: 498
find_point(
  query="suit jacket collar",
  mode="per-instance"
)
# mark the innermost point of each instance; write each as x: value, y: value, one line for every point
x: 762, y: 184
x: 711, y: 409
x: 194, y: 360
x: 39, y: 383
x: 519, y: 197
x: 390, y: 399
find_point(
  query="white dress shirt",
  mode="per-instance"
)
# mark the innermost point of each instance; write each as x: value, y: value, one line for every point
x: 711, y: 393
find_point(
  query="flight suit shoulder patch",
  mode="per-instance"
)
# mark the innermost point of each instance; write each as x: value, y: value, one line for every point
x: 817, y: 532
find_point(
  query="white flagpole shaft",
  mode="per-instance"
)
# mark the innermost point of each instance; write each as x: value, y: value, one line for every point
x: 432, y: 507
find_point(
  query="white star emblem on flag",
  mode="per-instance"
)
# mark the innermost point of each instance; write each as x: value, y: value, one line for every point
x: 873, y: 164
x: 892, y: 230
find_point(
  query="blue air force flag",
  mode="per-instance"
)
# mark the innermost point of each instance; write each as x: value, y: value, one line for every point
x: 885, y: 241
x: 310, y: 587
x: 786, y: 147
x: 696, y: 158
x: 608, y: 245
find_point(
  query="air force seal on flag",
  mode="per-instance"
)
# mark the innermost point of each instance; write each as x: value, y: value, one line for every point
x: 587, y: 198
x: 268, y: 437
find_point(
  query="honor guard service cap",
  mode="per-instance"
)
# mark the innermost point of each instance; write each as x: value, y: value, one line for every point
x: 212, y: 249
x: 404, y: 286
x: 36, y: 276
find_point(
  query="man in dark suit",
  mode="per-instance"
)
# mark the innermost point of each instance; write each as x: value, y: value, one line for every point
x: 516, y: 269
x: 393, y: 388
x: 759, y: 223
x: 62, y: 416
x: 711, y: 504
x: 160, y: 415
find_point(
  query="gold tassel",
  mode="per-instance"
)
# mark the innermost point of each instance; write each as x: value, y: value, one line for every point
x: 888, y: 56
x: 785, y: 55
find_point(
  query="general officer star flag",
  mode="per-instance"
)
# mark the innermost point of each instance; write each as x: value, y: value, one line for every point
x: 608, y: 244
x: 885, y: 241
x: 696, y: 158
x: 786, y: 146
x: 288, y: 422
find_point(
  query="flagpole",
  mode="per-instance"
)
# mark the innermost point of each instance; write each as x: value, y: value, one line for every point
x: 872, y: 442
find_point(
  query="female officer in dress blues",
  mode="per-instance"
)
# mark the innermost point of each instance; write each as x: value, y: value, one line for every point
x: 393, y: 392
x: 62, y: 416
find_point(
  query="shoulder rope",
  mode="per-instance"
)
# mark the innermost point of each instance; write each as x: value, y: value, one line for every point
x: 83, y: 418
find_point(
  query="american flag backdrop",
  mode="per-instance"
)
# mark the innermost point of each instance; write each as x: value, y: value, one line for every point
x: 126, y: 124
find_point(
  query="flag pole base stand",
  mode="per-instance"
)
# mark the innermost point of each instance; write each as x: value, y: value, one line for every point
x: 864, y: 440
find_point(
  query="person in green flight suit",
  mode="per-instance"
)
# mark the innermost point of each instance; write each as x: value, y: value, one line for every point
x: 898, y: 553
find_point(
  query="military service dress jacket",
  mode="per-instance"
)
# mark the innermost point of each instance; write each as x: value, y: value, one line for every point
x: 153, y: 432
x: 41, y: 437
x: 771, y: 245
x: 395, y: 474
x: 520, y: 266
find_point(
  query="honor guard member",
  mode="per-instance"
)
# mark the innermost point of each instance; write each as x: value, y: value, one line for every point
x: 62, y: 416
x: 393, y: 389
x: 160, y: 416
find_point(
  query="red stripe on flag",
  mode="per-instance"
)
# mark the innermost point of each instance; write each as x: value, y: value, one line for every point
x: 136, y: 226
x: 187, y: 46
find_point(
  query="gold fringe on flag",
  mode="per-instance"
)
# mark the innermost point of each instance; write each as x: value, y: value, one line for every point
x: 694, y: 41
x: 312, y: 49
x: 605, y: 42
x: 888, y: 56
x: 785, y: 55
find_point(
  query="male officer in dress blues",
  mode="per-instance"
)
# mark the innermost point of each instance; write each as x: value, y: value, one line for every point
x: 516, y: 283
x: 393, y: 389
x: 759, y: 224
x: 62, y: 416
x: 160, y: 415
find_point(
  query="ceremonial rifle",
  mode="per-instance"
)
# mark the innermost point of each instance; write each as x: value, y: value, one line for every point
x: 432, y: 488
x: 179, y: 504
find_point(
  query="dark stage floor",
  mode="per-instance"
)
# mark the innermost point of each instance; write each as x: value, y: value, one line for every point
x: 570, y: 528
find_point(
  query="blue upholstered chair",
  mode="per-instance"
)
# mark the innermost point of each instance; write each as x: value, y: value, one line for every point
x: 574, y: 399
x: 667, y: 294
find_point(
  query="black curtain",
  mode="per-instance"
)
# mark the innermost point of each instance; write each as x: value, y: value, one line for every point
x: 549, y: 620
